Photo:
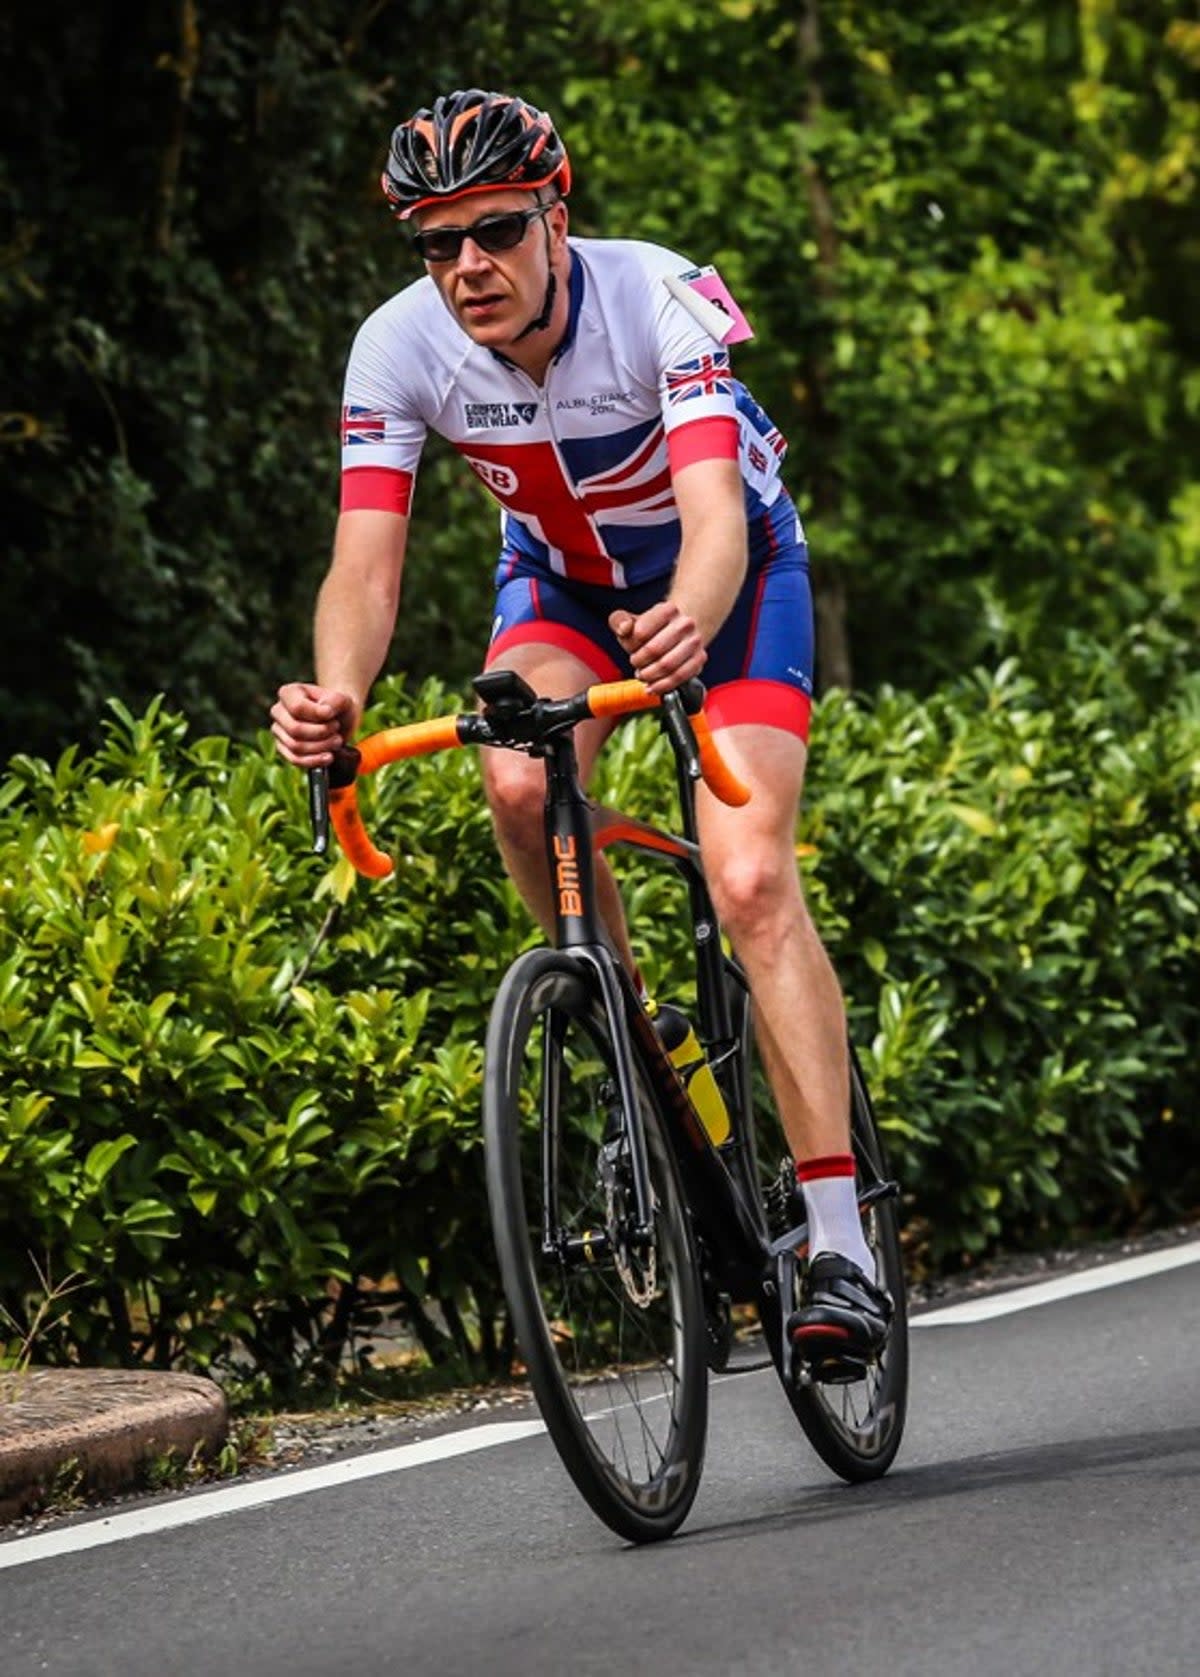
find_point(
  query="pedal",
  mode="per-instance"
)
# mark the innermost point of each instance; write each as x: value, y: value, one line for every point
x: 828, y: 1368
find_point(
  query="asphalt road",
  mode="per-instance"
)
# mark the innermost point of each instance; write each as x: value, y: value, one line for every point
x: 1044, y: 1515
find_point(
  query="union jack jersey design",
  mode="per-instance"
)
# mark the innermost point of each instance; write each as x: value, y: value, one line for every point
x: 582, y: 464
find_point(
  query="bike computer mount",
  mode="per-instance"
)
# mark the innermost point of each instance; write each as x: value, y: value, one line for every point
x: 504, y: 692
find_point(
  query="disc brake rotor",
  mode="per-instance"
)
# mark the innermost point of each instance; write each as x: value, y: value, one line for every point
x: 638, y: 1272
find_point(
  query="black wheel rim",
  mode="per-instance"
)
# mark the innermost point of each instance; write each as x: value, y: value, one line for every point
x: 855, y: 1426
x: 612, y: 1310
x: 865, y: 1416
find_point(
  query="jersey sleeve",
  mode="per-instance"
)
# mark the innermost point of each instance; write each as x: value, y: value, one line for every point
x: 382, y: 430
x: 696, y: 387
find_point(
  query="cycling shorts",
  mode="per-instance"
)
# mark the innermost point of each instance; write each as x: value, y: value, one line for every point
x: 760, y: 663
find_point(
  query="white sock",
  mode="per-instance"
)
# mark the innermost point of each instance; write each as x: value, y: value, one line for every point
x: 831, y: 1203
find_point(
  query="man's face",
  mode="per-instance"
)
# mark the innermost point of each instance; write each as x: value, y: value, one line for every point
x: 494, y: 297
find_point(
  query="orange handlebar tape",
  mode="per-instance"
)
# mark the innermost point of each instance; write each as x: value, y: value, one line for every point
x: 416, y: 739
x: 621, y: 698
x: 718, y: 776
x: 352, y: 835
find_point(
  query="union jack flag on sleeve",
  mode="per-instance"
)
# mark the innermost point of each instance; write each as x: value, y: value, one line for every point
x: 362, y: 425
x: 704, y: 375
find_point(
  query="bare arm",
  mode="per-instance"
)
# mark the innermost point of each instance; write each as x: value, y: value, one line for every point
x: 667, y: 643
x: 355, y: 617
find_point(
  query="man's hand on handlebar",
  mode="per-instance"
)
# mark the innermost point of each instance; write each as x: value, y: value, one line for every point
x: 310, y: 722
x: 664, y: 644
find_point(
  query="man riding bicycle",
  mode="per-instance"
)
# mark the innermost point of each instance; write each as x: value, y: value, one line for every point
x: 646, y: 532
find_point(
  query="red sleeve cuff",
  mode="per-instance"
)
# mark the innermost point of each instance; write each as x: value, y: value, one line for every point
x: 376, y: 489
x: 714, y: 438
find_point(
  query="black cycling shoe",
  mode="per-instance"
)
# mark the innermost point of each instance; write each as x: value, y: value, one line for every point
x: 843, y: 1324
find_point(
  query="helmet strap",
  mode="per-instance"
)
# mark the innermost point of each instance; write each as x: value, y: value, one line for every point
x: 540, y: 322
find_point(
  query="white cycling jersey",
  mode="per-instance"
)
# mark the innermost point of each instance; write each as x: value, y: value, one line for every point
x: 581, y: 464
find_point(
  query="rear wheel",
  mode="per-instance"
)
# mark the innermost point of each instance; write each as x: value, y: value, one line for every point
x: 856, y: 1426
x: 610, y: 1325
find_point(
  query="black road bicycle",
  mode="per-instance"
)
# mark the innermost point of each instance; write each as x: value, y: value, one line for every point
x: 625, y: 1236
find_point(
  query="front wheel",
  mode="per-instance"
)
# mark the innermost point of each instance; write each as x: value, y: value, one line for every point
x: 610, y: 1324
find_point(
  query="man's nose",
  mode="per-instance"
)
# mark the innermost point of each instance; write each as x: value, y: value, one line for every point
x: 472, y: 257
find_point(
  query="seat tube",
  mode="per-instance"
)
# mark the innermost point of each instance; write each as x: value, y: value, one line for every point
x: 569, y: 849
x: 715, y: 1017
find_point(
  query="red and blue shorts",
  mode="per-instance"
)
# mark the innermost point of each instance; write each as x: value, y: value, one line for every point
x: 760, y: 663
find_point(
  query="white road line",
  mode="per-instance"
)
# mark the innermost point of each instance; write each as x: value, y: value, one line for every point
x: 206, y: 1505
x: 1065, y: 1286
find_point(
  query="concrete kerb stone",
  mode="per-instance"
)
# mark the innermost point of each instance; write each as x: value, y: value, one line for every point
x: 110, y: 1422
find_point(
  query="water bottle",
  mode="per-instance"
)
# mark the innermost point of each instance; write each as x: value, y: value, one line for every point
x: 687, y: 1056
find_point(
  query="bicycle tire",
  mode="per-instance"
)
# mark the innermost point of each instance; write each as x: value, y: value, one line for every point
x: 855, y: 1428
x: 613, y: 1338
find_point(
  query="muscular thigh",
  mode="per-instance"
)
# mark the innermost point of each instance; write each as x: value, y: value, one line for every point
x: 771, y: 762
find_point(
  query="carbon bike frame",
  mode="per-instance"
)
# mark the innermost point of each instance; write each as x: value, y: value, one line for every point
x: 729, y: 1219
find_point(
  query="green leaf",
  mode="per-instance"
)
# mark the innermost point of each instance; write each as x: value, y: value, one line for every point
x: 149, y: 1217
x: 104, y: 1155
x: 977, y: 820
x: 874, y: 954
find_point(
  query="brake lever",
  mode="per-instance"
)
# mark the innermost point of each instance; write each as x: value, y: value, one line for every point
x: 318, y: 808
x: 341, y: 772
x: 679, y: 731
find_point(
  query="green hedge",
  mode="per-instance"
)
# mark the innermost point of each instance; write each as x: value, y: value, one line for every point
x: 1010, y: 880
x: 231, y: 1079
x: 241, y: 1089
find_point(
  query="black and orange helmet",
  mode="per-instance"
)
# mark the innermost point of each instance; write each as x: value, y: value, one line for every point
x: 472, y: 142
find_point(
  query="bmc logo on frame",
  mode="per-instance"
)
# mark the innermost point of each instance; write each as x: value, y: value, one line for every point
x: 566, y: 876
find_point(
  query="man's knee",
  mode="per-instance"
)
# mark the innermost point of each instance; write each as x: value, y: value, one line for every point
x: 516, y: 794
x: 756, y: 888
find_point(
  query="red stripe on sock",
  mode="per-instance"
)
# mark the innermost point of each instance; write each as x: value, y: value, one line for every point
x: 830, y: 1164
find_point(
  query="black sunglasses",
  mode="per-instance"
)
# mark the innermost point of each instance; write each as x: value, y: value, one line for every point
x: 491, y: 233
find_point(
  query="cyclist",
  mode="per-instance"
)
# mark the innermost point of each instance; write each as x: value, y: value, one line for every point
x: 645, y: 531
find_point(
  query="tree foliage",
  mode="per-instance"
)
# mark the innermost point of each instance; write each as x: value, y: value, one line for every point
x: 965, y: 235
